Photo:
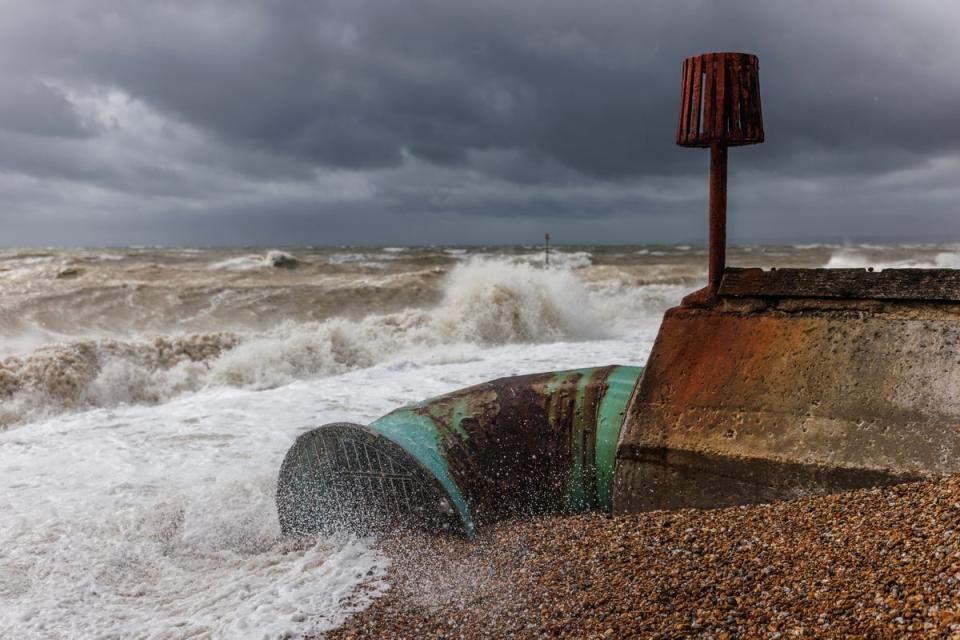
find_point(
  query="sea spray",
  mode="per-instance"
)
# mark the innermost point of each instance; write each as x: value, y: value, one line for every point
x: 879, y: 258
x: 161, y: 524
x: 144, y: 521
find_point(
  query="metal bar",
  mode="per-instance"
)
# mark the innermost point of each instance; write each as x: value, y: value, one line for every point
x: 718, y: 214
x: 708, y: 91
x: 736, y: 97
x: 684, y: 103
x: 697, y: 87
x: 720, y: 111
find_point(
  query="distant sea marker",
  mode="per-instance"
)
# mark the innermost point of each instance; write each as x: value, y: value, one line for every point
x: 546, y: 248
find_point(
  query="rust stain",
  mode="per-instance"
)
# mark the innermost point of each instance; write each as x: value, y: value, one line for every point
x: 510, y: 443
x: 702, y: 364
x: 720, y: 101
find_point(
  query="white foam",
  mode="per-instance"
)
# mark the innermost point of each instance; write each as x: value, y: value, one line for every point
x: 159, y: 522
x: 348, y: 258
x: 240, y: 263
x: 558, y: 258
x: 857, y: 258
x: 947, y: 260
x: 254, y: 262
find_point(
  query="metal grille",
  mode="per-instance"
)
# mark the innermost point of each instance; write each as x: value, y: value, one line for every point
x: 341, y: 476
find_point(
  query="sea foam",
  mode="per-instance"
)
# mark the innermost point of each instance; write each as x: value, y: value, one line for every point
x: 485, y: 303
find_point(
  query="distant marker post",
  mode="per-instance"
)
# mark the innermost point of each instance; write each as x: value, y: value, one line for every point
x: 546, y: 248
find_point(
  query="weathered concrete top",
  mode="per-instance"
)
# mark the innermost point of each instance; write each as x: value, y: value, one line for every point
x: 935, y: 285
x: 778, y: 388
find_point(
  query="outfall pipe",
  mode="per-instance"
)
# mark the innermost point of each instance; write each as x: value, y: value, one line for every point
x: 507, y: 448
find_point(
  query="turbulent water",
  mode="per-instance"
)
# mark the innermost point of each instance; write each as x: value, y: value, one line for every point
x: 147, y: 396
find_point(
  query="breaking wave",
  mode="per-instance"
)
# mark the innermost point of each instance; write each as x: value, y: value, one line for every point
x: 485, y: 303
x: 863, y: 257
x: 274, y: 259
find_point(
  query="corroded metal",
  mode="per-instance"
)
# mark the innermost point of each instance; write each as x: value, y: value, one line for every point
x: 717, y: 255
x: 368, y: 482
x: 759, y: 399
x: 930, y: 285
x: 719, y: 108
x: 507, y: 448
x: 720, y: 101
x: 776, y: 384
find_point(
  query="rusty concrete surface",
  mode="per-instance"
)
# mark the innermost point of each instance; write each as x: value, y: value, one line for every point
x: 755, y: 399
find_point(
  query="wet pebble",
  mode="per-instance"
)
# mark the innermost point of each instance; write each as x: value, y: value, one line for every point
x: 872, y: 563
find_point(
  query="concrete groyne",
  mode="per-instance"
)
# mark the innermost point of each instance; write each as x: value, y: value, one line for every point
x: 776, y: 387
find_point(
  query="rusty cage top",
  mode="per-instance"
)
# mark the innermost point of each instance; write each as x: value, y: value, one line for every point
x: 720, y: 101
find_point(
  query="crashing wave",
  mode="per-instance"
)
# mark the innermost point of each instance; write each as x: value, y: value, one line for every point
x: 859, y: 258
x: 485, y: 302
x: 280, y: 260
x: 273, y: 259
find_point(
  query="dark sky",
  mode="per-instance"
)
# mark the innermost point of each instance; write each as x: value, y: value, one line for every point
x: 283, y: 122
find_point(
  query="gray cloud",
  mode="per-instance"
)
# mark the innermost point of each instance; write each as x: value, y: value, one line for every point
x: 340, y: 122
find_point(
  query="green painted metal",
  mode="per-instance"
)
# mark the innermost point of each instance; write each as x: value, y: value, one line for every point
x: 610, y: 417
x: 582, y: 441
x: 434, y: 430
x: 418, y: 435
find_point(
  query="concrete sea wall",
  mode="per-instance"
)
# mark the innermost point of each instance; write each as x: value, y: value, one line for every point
x: 751, y: 399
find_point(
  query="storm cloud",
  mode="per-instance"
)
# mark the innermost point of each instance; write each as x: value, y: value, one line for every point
x: 286, y: 122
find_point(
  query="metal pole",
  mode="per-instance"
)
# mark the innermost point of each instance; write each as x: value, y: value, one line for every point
x: 718, y: 214
x: 546, y: 240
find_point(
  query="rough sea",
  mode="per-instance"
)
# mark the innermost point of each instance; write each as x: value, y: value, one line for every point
x: 148, y: 395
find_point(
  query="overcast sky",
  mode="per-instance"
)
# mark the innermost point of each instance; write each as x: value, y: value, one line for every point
x: 280, y: 122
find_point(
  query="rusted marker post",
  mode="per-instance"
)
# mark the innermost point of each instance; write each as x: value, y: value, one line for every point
x: 719, y: 108
x: 775, y: 384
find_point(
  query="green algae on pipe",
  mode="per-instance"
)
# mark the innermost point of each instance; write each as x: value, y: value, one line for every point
x: 507, y: 448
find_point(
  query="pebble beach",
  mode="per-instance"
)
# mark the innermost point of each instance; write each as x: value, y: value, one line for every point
x: 876, y: 563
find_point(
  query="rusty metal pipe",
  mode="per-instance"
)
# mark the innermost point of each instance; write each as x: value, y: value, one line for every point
x: 503, y: 449
x: 718, y: 214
